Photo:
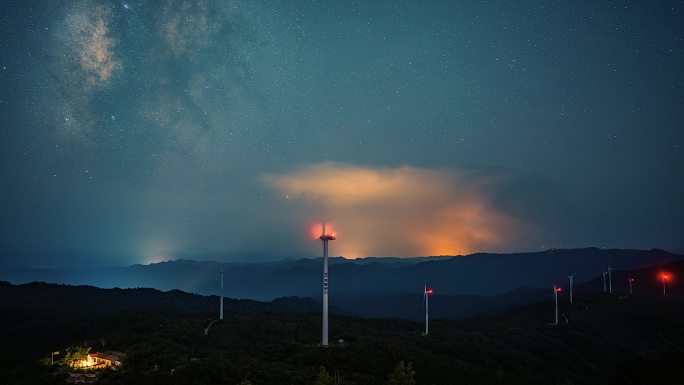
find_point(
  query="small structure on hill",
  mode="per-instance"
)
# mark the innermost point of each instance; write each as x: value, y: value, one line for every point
x: 103, y: 360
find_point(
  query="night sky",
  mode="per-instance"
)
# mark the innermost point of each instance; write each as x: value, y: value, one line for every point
x: 131, y: 131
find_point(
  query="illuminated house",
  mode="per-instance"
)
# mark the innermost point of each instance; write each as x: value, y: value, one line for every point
x: 103, y: 360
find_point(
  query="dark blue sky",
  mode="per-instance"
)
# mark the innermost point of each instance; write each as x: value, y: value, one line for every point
x: 133, y: 129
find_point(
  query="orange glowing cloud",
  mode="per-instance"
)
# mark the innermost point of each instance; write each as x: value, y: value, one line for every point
x: 404, y: 211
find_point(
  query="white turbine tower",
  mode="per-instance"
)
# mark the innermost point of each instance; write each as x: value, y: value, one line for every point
x: 426, y: 297
x: 571, y: 277
x: 631, y: 281
x: 325, y: 238
x: 610, y: 280
x: 221, y: 308
x: 664, y: 277
x: 556, y: 290
x: 604, y: 281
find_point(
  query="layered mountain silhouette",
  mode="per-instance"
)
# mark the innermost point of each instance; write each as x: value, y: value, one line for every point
x: 464, y: 286
x: 602, y: 338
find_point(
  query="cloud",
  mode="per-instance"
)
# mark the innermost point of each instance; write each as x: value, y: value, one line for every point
x: 408, y: 211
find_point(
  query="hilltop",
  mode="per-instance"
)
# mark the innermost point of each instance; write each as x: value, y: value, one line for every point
x: 608, y: 338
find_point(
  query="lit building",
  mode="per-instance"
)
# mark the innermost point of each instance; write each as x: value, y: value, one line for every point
x: 103, y: 360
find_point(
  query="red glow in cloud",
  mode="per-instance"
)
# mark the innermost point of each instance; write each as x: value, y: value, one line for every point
x: 402, y: 211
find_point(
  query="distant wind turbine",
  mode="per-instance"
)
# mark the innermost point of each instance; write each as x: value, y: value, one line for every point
x: 325, y: 238
x: 610, y: 280
x: 221, y: 308
x: 556, y: 290
x: 426, y: 297
x: 631, y: 281
x: 665, y: 277
x: 571, y: 277
x: 604, y: 281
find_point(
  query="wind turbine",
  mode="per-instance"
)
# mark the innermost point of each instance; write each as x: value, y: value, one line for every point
x: 325, y: 238
x: 610, y: 279
x: 631, y: 281
x: 665, y: 277
x: 426, y: 296
x: 556, y: 290
x: 571, y: 277
x: 221, y: 308
x: 604, y: 281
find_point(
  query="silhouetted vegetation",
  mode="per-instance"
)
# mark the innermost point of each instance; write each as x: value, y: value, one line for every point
x: 402, y: 375
x: 73, y: 354
x: 616, y: 338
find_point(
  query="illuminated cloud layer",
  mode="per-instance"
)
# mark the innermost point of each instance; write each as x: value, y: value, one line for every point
x: 406, y: 211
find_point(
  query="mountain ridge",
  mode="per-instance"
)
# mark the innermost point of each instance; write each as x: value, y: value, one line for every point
x: 477, y: 274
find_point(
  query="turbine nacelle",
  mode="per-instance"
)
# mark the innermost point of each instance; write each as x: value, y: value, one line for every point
x: 327, y: 237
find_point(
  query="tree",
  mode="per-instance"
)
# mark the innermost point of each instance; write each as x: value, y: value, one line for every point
x: 324, y: 377
x: 74, y: 354
x: 402, y: 375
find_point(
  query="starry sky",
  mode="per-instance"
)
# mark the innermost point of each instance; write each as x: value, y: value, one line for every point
x: 133, y: 131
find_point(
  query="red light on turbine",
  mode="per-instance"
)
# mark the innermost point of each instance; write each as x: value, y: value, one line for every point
x: 665, y: 276
x: 428, y: 291
x: 316, y: 230
x: 559, y: 289
x: 631, y: 280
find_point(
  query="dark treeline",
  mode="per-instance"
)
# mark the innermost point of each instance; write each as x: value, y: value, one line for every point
x: 615, y: 338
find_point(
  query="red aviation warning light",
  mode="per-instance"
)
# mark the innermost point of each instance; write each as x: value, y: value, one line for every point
x: 428, y: 291
x: 319, y: 232
x: 559, y: 289
x: 665, y: 277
